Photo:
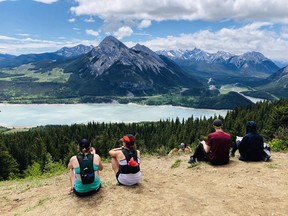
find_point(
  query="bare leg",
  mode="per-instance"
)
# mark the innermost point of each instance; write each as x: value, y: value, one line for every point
x: 115, y: 164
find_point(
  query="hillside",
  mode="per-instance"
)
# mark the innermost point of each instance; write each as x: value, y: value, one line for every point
x: 238, y: 188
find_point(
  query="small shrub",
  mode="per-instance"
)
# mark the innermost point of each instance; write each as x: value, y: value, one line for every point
x: 162, y: 151
x: 33, y: 171
x: 278, y: 145
x: 193, y: 165
x: 176, y: 164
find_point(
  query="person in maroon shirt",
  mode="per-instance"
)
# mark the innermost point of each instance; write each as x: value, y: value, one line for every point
x: 216, y: 150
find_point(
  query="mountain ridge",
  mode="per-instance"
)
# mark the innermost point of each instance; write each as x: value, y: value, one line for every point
x: 249, y: 64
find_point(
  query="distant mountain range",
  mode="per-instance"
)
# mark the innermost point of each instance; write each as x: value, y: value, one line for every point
x: 222, y: 65
x: 277, y: 83
x: 74, y: 51
x: 113, y: 69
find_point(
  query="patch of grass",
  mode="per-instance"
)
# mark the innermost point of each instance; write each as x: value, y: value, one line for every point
x: 176, y: 164
x: 228, y: 88
x: 107, y: 184
x: 193, y: 165
x: 40, y: 203
x: 26, y: 72
x: 271, y: 165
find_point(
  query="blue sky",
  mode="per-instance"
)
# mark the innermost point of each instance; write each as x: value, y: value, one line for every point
x: 235, y: 26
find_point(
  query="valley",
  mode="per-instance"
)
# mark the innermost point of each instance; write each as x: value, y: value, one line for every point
x: 111, y: 72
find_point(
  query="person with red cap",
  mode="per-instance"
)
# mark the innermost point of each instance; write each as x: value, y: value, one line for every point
x: 126, y: 162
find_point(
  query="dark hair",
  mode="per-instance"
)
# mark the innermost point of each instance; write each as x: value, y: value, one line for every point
x: 217, y: 123
x: 84, y: 145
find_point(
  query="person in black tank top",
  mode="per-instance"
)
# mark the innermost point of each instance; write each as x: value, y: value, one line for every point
x: 125, y: 161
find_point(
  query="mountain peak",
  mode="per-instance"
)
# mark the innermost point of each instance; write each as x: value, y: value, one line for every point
x: 254, y: 56
x: 142, y: 48
x: 112, y: 41
x: 74, y: 51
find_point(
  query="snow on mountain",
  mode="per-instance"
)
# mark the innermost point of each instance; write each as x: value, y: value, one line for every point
x: 111, y: 50
x: 200, y: 55
x: 241, y: 62
x: 74, y: 51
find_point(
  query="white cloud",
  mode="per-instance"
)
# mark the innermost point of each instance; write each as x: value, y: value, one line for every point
x: 23, y: 35
x: 72, y: 20
x: 160, y: 10
x: 90, y: 20
x: 3, y: 37
x: 252, y: 37
x: 123, y: 32
x: 92, y: 32
x: 46, y: 1
x: 30, y: 45
x: 144, y: 24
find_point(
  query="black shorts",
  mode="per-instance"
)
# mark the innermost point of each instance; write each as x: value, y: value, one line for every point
x: 89, y: 193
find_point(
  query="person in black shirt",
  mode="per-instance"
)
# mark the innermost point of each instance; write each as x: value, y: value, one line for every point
x: 251, y: 147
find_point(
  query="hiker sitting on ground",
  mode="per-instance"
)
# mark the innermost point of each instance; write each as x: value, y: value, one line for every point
x: 216, y: 150
x: 182, y: 148
x: 125, y: 161
x: 84, y: 170
x: 251, y: 146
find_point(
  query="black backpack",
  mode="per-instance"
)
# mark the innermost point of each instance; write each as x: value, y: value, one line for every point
x: 132, y: 162
x: 86, y: 168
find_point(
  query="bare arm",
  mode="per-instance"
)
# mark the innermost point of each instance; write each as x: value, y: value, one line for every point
x: 206, y: 147
x: 97, y: 160
x: 100, y: 166
x: 70, y: 164
x: 114, y: 152
x: 71, y: 171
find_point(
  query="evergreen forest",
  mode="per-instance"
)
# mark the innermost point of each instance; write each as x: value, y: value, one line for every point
x: 48, y: 148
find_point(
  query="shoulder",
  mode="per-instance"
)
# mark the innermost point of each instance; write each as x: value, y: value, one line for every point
x: 227, y: 134
x: 96, y: 157
x: 116, y: 153
x: 73, y: 162
x: 73, y: 158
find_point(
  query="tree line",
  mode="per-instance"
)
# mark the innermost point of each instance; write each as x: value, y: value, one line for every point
x: 42, y: 147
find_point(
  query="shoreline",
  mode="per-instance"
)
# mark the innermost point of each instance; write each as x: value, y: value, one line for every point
x: 133, y: 104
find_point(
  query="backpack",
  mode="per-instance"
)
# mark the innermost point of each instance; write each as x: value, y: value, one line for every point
x: 266, y: 152
x: 86, y: 168
x: 132, y: 162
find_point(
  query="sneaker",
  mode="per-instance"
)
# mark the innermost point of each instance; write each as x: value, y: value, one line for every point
x: 191, y: 160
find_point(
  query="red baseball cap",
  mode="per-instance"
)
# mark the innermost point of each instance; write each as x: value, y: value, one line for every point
x: 128, y: 138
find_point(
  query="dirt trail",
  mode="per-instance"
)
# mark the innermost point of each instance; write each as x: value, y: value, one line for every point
x: 238, y: 188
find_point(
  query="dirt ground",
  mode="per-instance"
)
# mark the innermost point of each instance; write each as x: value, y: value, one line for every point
x: 239, y: 188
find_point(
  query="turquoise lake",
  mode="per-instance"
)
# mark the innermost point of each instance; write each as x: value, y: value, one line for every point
x: 19, y: 115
